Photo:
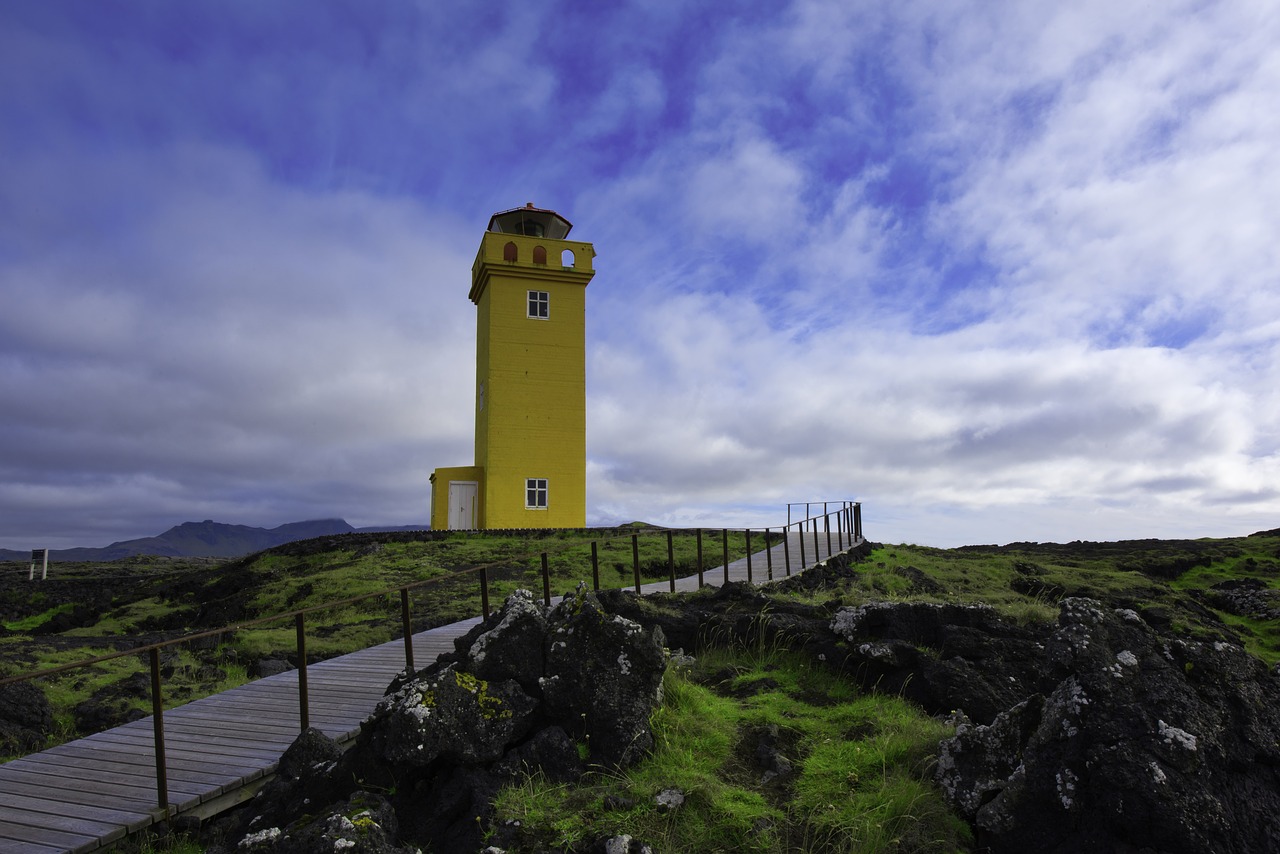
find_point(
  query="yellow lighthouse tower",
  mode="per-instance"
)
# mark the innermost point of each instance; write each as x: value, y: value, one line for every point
x: 529, y: 286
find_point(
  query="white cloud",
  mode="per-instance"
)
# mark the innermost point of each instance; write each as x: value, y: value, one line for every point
x: 1003, y: 271
x: 240, y: 332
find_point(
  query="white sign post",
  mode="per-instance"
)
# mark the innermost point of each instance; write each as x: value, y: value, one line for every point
x: 40, y: 556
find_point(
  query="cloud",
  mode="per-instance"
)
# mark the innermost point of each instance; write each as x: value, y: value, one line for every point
x: 997, y: 270
x: 238, y: 335
x: 1073, y: 322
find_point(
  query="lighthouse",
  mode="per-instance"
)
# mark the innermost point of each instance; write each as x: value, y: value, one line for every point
x: 529, y: 285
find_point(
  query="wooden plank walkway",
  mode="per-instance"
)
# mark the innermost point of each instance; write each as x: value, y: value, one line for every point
x: 87, y: 794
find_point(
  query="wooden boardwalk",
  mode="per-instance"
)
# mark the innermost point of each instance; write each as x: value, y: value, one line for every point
x: 87, y: 794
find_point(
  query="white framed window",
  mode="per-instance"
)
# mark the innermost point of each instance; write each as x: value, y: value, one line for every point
x: 535, y: 493
x: 539, y: 305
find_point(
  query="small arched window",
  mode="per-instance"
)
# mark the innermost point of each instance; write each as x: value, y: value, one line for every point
x: 509, y: 252
x: 540, y: 255
x: 567, y: 258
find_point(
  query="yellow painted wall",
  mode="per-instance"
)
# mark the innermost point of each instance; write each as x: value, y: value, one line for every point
x: 440, y: 480
x: 531, y: 381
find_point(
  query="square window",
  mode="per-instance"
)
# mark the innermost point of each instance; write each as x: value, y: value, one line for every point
x: 539, y: 304
x: 535, y: 493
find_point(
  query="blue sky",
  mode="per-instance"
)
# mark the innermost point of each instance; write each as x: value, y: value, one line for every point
x: 1000, y: 270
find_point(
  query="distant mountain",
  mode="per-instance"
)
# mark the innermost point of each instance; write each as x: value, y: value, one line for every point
x: 207, y: 539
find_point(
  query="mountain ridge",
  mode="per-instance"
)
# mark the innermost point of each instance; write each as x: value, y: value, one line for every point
x: 207, y: 539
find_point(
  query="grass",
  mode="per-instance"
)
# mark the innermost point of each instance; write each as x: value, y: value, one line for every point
x: 1025, y: 581
x: 159, y: 597
x: 511, y: 562
x: 861, y: 780
x: 861, y: 762
x: 33, y: 621
x: 147, y: 842
x: 186, y: 677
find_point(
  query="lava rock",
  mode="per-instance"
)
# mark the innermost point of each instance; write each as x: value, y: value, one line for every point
x: 623, y: 844
x: 603, y: 677
x: 1141, y: 742
x: 25, y: 717
x: 311, y: 752
x: 113, y: 705
x: 451, y: 714
x: 364, y: 824
x: 669, y: 800
x: 510, y: 645
x: 944, y: 657
x: 518, y: 695
x: 271, y: 667
x: 550, y: 752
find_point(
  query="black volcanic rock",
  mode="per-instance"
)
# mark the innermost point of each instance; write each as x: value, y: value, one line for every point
x: 603, y: 672
x: 520, y: 695
x: 363, y: 824
x: 450, y: 714
x: 1136, y: 742
x: 25, y: 717
x: 1108, y: 731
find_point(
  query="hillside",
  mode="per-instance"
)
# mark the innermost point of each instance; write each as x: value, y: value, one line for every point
x: 1030, y: 697
x: 203, y: 539
x: 780, y: 732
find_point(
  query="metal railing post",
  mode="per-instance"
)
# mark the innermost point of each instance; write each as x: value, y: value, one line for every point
x: 857, y: 520
x: 595, y: 568
x: 768, y: 554
x: 826, y: 523
x: 635, y: 560
x: 407, y: 622
x: 786, y: 548
x: 749, y: 578
x: 157, y: 733
x: 699, y: 558
x: 546, y: 582
x: 804, y: 564
x: 304, y: 707
x: 724, y: 539
x: 671, y: 562
x: 816, y: 551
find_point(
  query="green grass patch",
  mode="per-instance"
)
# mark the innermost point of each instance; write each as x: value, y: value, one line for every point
x: 1025, y: 581
x: 861, y: 779
x: 34, y: 621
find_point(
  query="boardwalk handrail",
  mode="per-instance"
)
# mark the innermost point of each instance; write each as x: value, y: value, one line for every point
x: 848, y: 529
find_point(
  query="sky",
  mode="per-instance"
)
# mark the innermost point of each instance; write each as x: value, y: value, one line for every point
x: 1001, y: 271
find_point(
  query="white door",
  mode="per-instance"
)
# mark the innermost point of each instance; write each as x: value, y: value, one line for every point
x: 462, y: 505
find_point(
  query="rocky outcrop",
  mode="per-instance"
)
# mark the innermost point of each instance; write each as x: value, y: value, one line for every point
x: 26, y: 718
x: 1134, y: 742
x: 530, y: 689
x: 1104, y: 732
x: 365, y: 823
x: 113, y: 704
x: 450, y: 714
x: 944, y: 657
x: 1246, y: 597
x: 605, y: 671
